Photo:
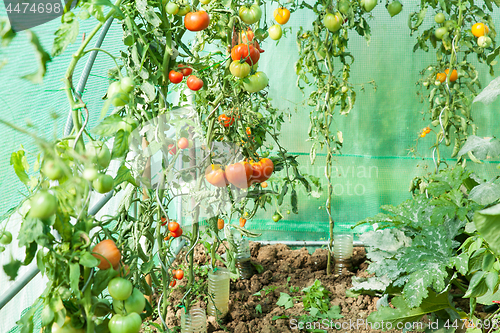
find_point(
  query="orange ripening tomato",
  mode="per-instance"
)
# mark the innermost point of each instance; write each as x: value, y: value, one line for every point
x: 163, y: 221
x: 281, y: 15
x: 441, y: 77
x: 173, y: 226
x: 248, y: 131
x: 422, y: 135
x: 183, y: 143
x: 242, y: 51
x: 172, y: 283
x: 239, y: 174
x: 167, y: 237
x: 246, y: 37
x: 225, y: 120
x: 453, y: 76
x: 216, y: 176
x: 262, y: 170
x: 196, y: 21
x: 179, y: 274
x: 107, y: 249
x: 172, y: 149
x: 220, y: 224
x: 263, y: 184
x: 243, y: 221
x: 427, y: 130
x: 479, y: 29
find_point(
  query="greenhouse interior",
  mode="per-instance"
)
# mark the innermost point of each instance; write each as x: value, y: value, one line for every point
x: 249, y: 166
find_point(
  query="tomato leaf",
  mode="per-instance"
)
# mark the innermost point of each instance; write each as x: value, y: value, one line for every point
x: 293, y: 202
x: 65, y: 35
x: 120, y: 145
x: 108, y: 126
x: 12, y: 268
x: 74, y: 278
x: 101, y: 280
x: 30, y: 253
x: 146, y: 267
x: 40, y: 257
x: 487, y: 222
x: 89, y: 260
x: 124, y: 175
x: 18, y: 161
x: 42, y: 58
x: 282, y: 194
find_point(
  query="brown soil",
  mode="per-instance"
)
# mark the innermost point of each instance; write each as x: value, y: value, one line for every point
x: 281, y: 263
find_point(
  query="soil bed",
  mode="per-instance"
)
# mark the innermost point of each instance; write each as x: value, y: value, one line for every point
x: 280, y: 264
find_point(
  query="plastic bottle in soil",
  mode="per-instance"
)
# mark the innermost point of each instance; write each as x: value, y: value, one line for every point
x: 342, y: 249
x: 194, y: 322
x: 242, y: 255
x: 218, y: 291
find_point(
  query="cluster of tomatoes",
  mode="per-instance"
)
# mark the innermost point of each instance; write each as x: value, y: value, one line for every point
x: 481, y: 30
x: 174, y: 229
x: 241, y: 174
x: 425, y: 131
x: 281, y: 15
x: 128, y: 304
x: 119, y: 91
x: 176, y: 76
x: 177, y: 274
x: 245, y: 57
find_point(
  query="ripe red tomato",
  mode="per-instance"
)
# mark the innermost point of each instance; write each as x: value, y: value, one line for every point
x: 177, y: 233
x: 225, y: 120
x: 239, y: 174
x: 242, y: 51
x: 194, y: 83
x: 175, y: 77
x: 163, y: 221
x: 107, y: 250
x: 183, y: 143
x: 173, y: 226
x: 184, y: 69
x: 172, y: 149
x: 216, y: 176
x: 179, y: 274
x: 196, y: 21
x: 172, y: 283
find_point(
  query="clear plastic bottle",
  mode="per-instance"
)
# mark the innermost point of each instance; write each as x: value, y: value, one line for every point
x: 342, y: 250
x: 194, y: 322
x: 218, y: 291
x: 242, y: 257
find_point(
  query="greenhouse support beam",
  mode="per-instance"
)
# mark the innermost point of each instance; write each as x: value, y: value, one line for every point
x: 33, y: 270
x: 86, y: 72
x: 303, y: 243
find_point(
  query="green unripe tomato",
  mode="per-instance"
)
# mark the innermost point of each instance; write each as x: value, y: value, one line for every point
x: 484, y: 41
x: 205, y: 2
x: 368, y: 5
x: 120, y: 288
x: 99, y: 153
x: 90, y: 174
x: 127, y: 84
x: 394, y: 8
x: 344, y: 89
x: 125, y: 324
x: 333, y: 22
x: 6, y: 238
x: 43, y: 205
x: 276, y: 217
x: 275, y: 32
x: 183, y: 10
x: 52, y: 170
x: 172, y: 8
x: 103, y: 183
x: 344, y: 6
x: 440, y: 32
x: 135, y: 303
x: 261, y: 34
x: 439, y: 18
